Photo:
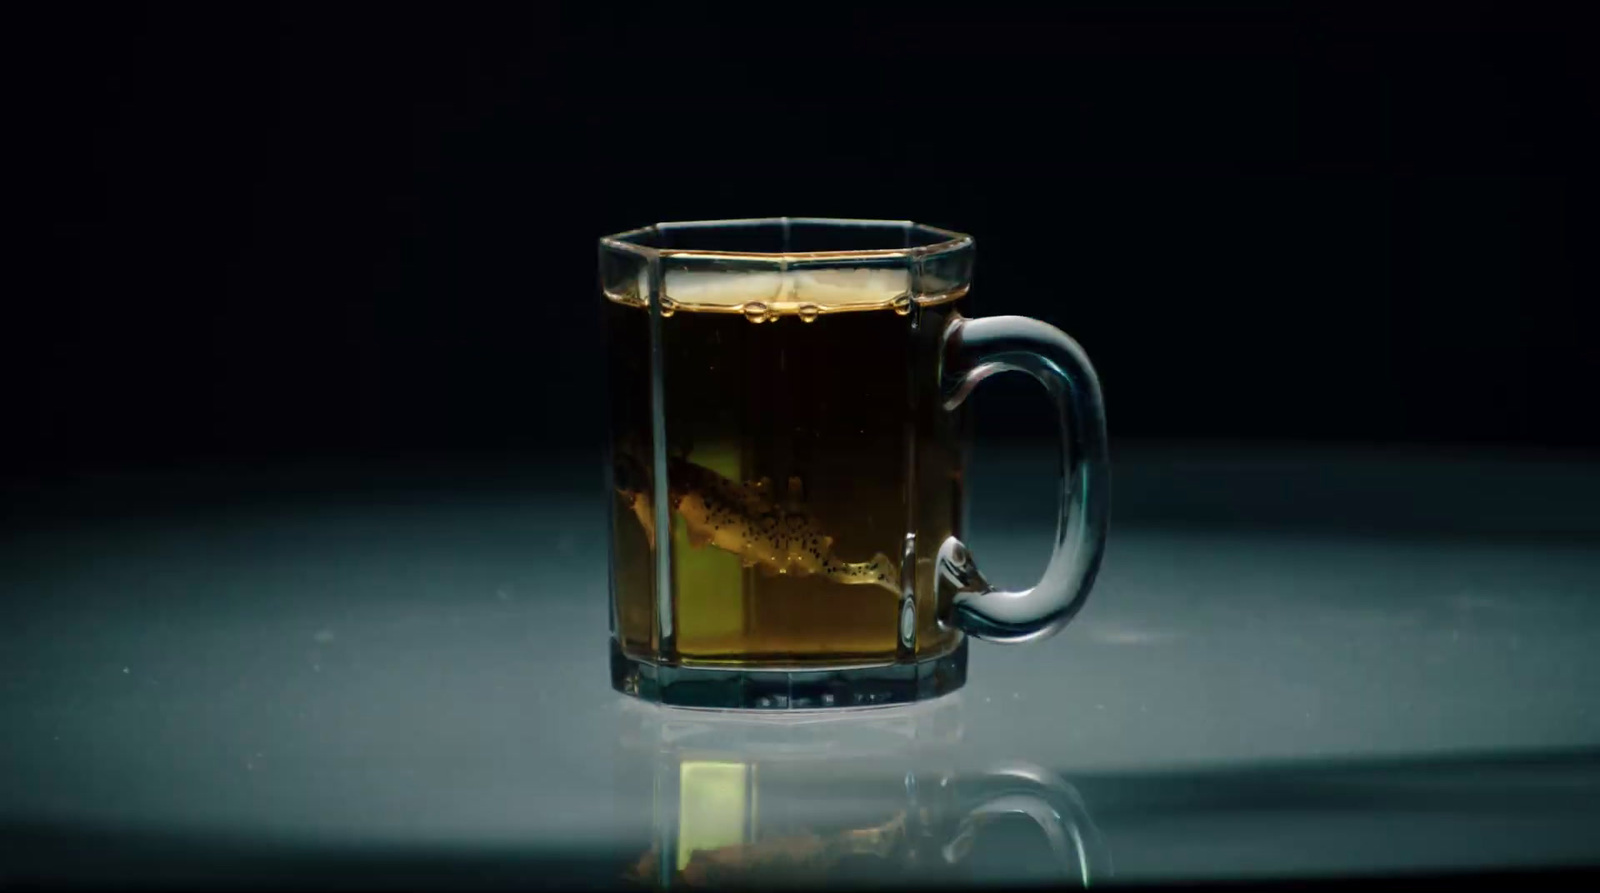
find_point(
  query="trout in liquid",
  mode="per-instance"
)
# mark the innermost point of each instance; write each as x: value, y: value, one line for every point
x: 771, y: 536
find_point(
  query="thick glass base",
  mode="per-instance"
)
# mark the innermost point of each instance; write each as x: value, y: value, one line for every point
x: 760, y: 689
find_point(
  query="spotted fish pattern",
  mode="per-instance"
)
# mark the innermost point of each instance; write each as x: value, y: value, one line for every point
x: 773, y: 536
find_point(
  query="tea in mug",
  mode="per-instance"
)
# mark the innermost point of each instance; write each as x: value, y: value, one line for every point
x: 805, y: 439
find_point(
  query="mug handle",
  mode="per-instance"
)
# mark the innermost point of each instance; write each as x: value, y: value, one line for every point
x: 1056, y: 807
x: 975, y: 349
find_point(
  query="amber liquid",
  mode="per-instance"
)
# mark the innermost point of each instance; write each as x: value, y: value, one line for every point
x: 839, y: 409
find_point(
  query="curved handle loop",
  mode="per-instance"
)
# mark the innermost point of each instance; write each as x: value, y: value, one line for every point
x: 1055, y: 806
x: 974, y: 350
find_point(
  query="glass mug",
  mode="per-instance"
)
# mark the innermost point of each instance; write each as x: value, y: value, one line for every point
x: 786, y: 463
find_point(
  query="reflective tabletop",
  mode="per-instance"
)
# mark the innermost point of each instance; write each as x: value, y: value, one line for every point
x: 1294, y: 665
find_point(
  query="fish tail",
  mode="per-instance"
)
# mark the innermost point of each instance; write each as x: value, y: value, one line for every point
x: 639, y: 503
x: 880, y: 571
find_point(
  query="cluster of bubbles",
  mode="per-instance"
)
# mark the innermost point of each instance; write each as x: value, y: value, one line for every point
x: 759, y: 312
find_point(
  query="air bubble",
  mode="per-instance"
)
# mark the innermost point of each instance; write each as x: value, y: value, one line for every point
x: 757, y: 312
x: 668, y: 306
x: 902, y: 305
x: 809, y: 312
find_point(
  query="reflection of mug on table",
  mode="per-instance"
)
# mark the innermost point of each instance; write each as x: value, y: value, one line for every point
x: 849, y: 798
x: 787, y: 463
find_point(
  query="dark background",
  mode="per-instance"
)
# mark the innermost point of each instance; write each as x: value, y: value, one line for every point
x: 313, y: 244
x: 342, y: 231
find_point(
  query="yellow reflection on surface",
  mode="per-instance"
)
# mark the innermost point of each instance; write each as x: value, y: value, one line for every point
x: 716, y: 804
x: 709, y: 582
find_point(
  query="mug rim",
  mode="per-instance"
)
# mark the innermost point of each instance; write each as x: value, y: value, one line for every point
x: 945, y: 241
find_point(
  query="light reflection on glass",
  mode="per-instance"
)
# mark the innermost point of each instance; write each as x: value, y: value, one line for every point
x: 716, y: 806
x: 883, y: 797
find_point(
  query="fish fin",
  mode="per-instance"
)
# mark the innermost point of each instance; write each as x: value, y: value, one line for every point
x: 698, y: 538
x: 888, y: 571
